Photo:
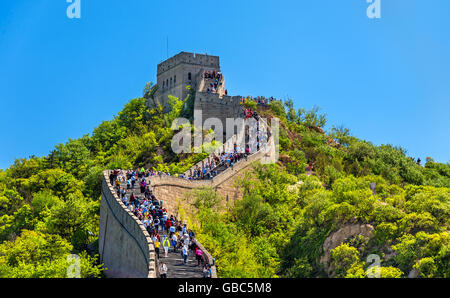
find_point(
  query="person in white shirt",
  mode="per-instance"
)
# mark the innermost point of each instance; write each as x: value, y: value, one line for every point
x: 185, y: 253
x: 163, y: 270
x: 146, y: 223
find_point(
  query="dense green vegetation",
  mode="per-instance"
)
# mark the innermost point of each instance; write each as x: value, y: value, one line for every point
x: 280, y: 225
x: 49, y: 206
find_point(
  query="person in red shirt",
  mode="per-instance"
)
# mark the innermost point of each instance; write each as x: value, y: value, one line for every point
x: 168, y: 224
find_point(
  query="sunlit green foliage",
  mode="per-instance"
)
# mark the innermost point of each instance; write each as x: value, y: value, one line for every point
x: 36, y: 255
x: 284, y: 216
x: 49, y: 206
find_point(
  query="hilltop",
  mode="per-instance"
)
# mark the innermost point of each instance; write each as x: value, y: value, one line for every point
x: 290, y: 222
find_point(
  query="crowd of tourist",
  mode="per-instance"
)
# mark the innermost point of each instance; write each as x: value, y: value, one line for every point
x: 260, y: 100
x: 224, y: 160
x: 166, y: 231
x: 215, y: 77
x: 258, y: 137
x: 249, y: 113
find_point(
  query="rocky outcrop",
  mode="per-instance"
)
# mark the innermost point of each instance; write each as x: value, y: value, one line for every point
x: 339, y: 237
x: 414, y: 273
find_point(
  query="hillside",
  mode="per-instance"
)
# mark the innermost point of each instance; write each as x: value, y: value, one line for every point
x: 291, y: 222
x: 295, y: 223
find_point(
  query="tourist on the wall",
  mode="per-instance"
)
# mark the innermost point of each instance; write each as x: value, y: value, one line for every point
x: 191, y: 235
x: 168, y: 224
x: 157, y: 244
x: 174, y: 242
x: 207, y: 271
x: 185, y: 253
x: 111, y: 178
x: 156, y: 224
x: 163, y: 270
x: 133, y: 181
x: 166, y: 246
x: 143, y: 185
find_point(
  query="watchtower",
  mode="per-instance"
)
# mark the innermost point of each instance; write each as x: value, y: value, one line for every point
x: 179, y: 71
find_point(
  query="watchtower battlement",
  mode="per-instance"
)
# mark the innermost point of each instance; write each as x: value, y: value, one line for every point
x: 215, y: 98
x: 206, y: 61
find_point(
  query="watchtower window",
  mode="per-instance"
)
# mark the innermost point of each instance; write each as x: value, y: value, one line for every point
x: 167, y: 83
x: 174, y: 80
x: 170, y: 82
x: 189, y: 76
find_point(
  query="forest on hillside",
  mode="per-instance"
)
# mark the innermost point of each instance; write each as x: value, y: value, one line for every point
x: 279, y: 227
x: 49, y: 206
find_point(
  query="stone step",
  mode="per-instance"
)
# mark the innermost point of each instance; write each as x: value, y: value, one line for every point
x: 176, y: 267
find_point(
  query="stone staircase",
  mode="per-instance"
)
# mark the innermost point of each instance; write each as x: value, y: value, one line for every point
x: 205, y: 83
x: 176, y: 267
x: 174, y: 260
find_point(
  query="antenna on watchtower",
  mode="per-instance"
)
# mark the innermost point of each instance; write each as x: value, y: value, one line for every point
x: 167, y: 47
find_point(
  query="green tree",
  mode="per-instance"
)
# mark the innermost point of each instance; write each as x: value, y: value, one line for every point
x: 426, y: 267
x: 343, y: 258
x: 71, y: 220
x: 37, y: 255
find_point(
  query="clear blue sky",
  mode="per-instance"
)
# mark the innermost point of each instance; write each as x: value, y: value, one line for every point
x: 388, y: 80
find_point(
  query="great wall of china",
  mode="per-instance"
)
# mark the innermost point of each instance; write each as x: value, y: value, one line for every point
x: 125, y: 246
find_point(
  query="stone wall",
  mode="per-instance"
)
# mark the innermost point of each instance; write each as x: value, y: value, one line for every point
x: 227, y: 146
x: 126, y: 249
x: 173, y: 190
x: 213, y: 105
x: 125, y: 246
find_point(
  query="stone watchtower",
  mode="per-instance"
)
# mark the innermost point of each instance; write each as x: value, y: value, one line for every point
x: 184, y: 69
x: 189, y: 69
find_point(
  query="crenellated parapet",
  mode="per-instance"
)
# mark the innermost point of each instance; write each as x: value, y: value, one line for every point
x: 189, y: 58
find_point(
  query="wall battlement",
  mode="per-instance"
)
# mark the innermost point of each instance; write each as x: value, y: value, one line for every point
x: 215, y: 98
x: 189, y: 58
x: 125, y: 246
